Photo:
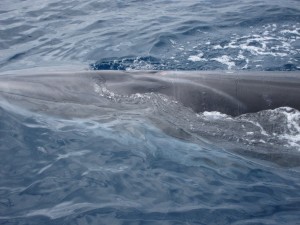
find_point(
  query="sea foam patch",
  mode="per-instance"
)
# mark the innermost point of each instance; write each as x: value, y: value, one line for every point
x: 257, y: 49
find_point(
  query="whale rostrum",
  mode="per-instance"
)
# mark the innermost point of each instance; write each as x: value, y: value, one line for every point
x: 232, y: 93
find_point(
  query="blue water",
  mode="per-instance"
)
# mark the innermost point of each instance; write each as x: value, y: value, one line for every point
x: 169, y: 34
x: 144, y: 158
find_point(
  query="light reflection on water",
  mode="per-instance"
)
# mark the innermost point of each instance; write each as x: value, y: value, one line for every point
x: 129, y: 169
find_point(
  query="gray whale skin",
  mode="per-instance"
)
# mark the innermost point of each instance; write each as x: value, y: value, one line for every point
x: 232, y: 93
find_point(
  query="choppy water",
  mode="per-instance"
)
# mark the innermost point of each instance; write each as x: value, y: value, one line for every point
x: 145, y: 158
x: 133, y: 34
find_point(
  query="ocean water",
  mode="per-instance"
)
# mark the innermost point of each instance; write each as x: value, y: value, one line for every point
x: 145, y: 158
x: 137, y: 34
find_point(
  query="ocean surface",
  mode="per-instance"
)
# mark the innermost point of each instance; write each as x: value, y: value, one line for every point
x: 145, y: 158
x: 158, y: 34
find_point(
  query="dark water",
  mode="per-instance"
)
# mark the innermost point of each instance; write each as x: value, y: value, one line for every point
x: 144, y: 158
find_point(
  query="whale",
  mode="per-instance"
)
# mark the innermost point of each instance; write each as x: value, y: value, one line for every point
x: 229, y: 92
x: 103, y: 95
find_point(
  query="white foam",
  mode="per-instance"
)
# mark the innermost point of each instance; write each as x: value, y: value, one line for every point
x: 296, y: 32
x: 226, y: 60
x: 269, y: 43
x: 262, y: 130
x: 197, y: 58
x: 289, y: 132
x: 242, y: 57
x: 292, y: 135
x: 104, y: 92
x: 214, y: 115
x: 217, y: 47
